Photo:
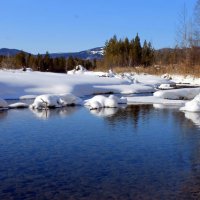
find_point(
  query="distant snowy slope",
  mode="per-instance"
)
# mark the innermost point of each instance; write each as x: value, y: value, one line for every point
x: 95, y: 53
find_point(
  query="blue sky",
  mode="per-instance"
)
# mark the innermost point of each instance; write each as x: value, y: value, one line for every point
x: 38, y: 26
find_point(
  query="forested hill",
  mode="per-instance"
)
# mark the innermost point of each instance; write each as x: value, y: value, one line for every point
x: 95, y: 53
x: 9, y: 52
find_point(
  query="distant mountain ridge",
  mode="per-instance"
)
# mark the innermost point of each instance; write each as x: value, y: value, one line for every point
x: 95, y: 53
x: 9, y: 52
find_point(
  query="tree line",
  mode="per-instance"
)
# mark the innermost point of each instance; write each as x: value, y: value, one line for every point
x: 128, y: 53
x: 43, y: 62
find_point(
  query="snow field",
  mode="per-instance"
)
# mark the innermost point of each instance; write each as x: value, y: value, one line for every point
x: 59, y: 90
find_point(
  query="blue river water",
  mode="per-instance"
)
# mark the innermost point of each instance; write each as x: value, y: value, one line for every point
x: 136, y: 152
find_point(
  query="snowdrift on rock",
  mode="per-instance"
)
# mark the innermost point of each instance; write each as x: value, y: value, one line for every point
x: 18, y: 105
x: 100, y: 101
x: 55, y: 101
x: 193, y: 105
x: 3, y: 104
x: 179, y: 94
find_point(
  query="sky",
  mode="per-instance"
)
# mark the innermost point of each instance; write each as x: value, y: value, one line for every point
x: 37, y: 26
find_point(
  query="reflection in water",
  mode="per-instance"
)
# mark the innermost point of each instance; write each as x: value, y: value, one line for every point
x: 3, y: 114
x: 78, y: 156
x: 164, y: 106
x: 194, y: 117
x: 133, y: 113
x: 104, y: 112
x: 44, y: 114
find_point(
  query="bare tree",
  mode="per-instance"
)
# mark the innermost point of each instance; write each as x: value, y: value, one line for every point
x: 182, y: 29
x: 197, y: 24
x: 184, y: 35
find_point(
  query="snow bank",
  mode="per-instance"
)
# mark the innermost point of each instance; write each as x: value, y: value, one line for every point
x: 193, y: 105
x: 186, y: 93
x: 21, y: 84
x: 3, y: 104
x: 194, y: 117
x: 186, y: 79
x: 18, y: 105
x: 166, y: 87
x: 166, y: 106
x: 153, y: 80
x: 153, y: 100
x: 124, y: 89
x: 55, y: 101
x: 15, y: 84
x: 100, y: 101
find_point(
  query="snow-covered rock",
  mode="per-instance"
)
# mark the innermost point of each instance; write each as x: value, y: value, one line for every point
x: 121, y: 100
x: 166, y: 86
x: 166, y: 76
x: 27, y: 69
x: 79, y: 69
x: 111, y: 73
x: 126, y: 76
x: 69, y: 99
x: 55, y: 101
x: 3, y: 104
x: 185, y: 93
x: 19, y: 105
x: 100, y: 101
x: 194, y: 117
x: 193, y: 105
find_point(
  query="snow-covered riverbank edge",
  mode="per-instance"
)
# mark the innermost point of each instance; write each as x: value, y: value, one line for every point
x: 17, y: 84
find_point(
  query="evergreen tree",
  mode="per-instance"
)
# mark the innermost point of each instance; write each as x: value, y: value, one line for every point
x: 145, y: 52
x: 47, y: 62
x: 70, y: 63
x: 131, y: 53
x: 20, y: 59
x: 137, y: 51
x: 126, y: 51
x: 39, y: 62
